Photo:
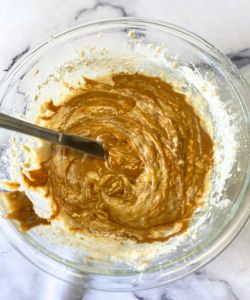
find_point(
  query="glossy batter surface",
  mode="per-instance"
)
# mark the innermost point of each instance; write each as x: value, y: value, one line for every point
x: 155, y: 174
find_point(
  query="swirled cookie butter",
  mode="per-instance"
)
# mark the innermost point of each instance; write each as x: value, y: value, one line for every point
x: 159, y: 158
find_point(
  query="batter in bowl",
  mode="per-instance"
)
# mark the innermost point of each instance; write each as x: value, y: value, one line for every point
x: 158, y: 165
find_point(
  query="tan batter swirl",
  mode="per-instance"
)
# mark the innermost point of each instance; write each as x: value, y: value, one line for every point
x: 159, y: 157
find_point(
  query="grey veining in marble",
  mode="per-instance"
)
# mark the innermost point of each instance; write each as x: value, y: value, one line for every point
x: 240, y: 58
x: 26, y: 23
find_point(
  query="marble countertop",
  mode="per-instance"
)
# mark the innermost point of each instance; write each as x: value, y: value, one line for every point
x: 225, y: 23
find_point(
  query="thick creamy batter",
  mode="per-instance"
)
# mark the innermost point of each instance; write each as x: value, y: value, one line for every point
x: 20, y: 209
x: 159, y: 158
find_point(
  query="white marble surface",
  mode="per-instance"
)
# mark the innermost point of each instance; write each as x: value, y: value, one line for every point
x: 23, y: 24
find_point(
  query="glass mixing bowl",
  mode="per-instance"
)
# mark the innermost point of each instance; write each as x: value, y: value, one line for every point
x: 186, y: 50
